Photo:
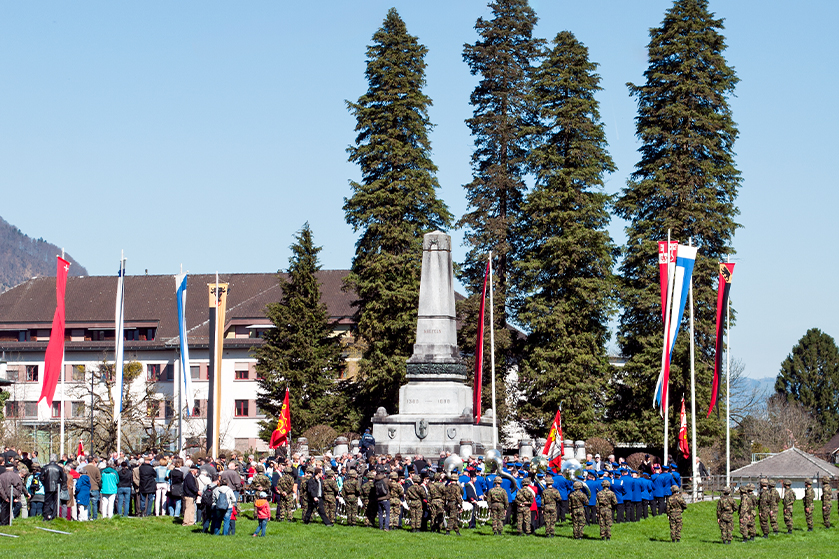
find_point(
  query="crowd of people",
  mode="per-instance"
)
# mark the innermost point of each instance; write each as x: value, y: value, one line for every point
x: 388, y: 492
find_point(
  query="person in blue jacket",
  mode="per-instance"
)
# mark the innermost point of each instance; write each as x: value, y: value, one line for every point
x: 668, y: 483
x: 564, y: 486
x: 594, y: 486
x: 512, y: 490
x: 658, y: 488
x: 674, y: 472
x: 632, y: 501
x: 646, y: 495
x: 620, y: 494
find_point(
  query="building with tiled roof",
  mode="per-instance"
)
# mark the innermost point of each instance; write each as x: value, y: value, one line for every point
x: 793, y: 464
x: 151, y: 338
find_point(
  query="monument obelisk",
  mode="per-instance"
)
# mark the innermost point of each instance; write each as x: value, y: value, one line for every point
x: 435, y: 407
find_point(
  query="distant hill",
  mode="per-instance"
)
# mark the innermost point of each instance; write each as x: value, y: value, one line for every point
x: 23, y: 258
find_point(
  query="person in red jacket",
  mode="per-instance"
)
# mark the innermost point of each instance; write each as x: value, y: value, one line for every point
x: 262, y: 511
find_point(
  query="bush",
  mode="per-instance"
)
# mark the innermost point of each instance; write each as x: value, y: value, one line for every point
x: 598, y: 445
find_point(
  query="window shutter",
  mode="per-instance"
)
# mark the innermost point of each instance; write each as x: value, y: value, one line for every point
x: 68, y: 373
x: 252, y: 371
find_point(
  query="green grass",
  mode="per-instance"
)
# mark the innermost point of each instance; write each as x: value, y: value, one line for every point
x: 161, y: 538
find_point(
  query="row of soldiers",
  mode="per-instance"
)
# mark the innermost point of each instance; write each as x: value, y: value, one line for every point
x: 766, y: 505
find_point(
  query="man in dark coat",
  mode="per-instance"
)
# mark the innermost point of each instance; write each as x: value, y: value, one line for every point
x: 53, y: 479
x: 148, y: 486
x: 314, y: 491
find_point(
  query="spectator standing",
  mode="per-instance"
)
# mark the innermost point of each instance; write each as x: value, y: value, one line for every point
x: 147, y: 486
x: 110, y: 480
x: 124, y: 483
x: 83, y: 494
x: 190, y: 494
x: 161, y: 473
x: 95, y: 475
x: 262, y: 512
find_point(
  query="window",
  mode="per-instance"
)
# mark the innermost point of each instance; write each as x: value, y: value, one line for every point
x: 13, y: 373
x: 78, y: 373
x: 31, y: 373
x: 12, y: 409
x: 241, y: 408
x: 241, y: 374
x: 168, y: 409
x: 200, y: 408
x: 30, y: 409
x: 77, y: 409
x: 195, y: 372
x: 56, y: 409
x: 153, y: 372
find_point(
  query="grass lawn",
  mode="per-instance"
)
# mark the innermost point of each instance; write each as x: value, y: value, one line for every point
x: 161, y: 537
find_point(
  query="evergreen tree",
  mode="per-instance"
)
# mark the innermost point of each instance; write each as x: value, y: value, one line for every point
x: 564, y: 287
x: 300, y: 352
x: 503, y: 58
x: 393, y: 206
x: 685, y: 182
x: 810, y: 376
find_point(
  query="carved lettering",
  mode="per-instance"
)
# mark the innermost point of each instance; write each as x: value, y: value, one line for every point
x: 432, y: 331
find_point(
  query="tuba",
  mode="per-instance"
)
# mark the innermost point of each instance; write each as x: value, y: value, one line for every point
x: 492, y: 461
x: 571, y: 468
x: 539, y: 464
x: 452, y: 463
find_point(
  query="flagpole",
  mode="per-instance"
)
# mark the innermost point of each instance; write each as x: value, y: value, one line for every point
x: 692, y: 388
x: 63, y: 392
x: 727, y: 390
x: 492, y: 356
x: 119, y: 360
x: 664, y: 387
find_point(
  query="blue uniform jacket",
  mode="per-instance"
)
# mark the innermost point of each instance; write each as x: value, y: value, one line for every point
x: 619, y: 490
x: 594, y: 487
x: 564, y: 486
x: 658, y: 486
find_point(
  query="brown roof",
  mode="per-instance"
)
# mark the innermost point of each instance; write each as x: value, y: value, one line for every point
x: 789, y: 463
x: 151, y: 301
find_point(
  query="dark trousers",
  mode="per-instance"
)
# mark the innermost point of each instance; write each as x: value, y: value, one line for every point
x: 321, y: 511
x: 591, y: 514
x: 562, y: 510
x: 384, y: 514
x: 620, y: 513
x: 658, y: 506
x: 5, y: 512
x: 646, y: 508
x: 50, y: 505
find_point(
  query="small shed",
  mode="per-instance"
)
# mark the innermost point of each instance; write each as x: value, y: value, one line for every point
x: 792, y: 464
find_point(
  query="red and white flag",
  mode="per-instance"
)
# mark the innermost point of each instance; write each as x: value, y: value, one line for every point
x: 54, y: 357
x: 683, y: 431
x: 553, y: 446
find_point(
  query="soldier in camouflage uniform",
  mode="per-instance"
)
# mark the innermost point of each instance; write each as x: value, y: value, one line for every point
x: 260, y: 480
x: 809, y: 498
x: 750, y: 487
x: 396, y: 492
x: 725, y: 515
x: 744, y: 512
x: 675, y: 505
x: 330, y: 495
x: 369, y: 502
x: 764, y: 505
x: 550, y: 501
x: 773, y: 510
x: 285, y: 489
x: 578, y: 501
x: 304, y: 483
x: 827, y: 501
x: 498, y: 503
x: 350, y: 493
x: 415, y: 496
x: 789, y: 502
x: 454, y: 501
x: 606, y: 503
x: 437, y: 507
x: 524, y: 498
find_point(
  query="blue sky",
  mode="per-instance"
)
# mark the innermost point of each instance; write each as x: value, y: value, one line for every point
x: 207, y: 133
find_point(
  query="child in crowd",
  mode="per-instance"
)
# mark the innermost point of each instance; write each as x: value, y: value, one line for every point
x: 262, y: 512
x: 83, y: 493
x: 233, y: 514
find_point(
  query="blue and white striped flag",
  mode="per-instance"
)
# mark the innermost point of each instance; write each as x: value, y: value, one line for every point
x: 186, y: 383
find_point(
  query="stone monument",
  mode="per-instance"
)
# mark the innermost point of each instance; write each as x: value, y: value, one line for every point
x: 435, y: 407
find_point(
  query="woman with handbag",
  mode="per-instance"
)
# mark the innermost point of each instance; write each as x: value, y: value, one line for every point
x: 176, y: 488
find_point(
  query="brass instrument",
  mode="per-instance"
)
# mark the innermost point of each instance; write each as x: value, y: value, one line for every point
x: 452, y: 463
x: 539, y: 464
x: 492, y: 463
x: 571, y: 468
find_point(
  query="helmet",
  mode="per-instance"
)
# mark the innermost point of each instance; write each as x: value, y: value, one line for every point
x: 353, y: 473
x: 674, y: 488
x: 497, y: 480
x: 578, y: 485
x: 726, y: 490
x: 605, y: 483
x: 393, y: 475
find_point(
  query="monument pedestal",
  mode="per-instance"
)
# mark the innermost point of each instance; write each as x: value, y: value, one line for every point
x: 435, y: 407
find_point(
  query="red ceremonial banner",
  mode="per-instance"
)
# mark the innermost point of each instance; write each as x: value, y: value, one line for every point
x: 281, y: 433
x: 683, y: 431
x: 55, y: 348
x: 554, y: 434
x: 723, y: 288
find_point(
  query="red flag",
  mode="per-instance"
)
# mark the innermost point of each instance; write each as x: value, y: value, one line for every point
x: 723, y: 288
x: 80, y: 450
x: 683, y: 431
x: 281, y: 433
x: 665, y: 259
x: 555, y: 456
x: 55, y: 348
x: 479, y: 355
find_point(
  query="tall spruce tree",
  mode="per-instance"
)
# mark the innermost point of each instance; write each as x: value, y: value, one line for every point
x: 300, y: 352
x: 563, y: 281
x: 502, y: 117
x: 685, y: 182
x: 810, y: 376
x: 393, y: 206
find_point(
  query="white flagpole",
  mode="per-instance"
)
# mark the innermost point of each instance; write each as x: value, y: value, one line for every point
x: 120, y: 345
x: 692, y: 389
x: 727, y: 390
x: 492, y: 357
x: 63, y: 395
x: 664, y: 386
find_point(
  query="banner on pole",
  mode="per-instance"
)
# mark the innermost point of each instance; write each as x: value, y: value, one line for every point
x: 723, y: 288
x: 477, y: 387
x: 186, y: 383
x: 553, y: 449
x: 54, y: 357
x: 683, y: 431
x: 283, y: 430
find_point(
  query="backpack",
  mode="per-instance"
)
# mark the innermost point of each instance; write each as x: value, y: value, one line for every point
x: 207, y: 496
x: 221, y: 502
x: 382, y: 489
x: 35, y: 484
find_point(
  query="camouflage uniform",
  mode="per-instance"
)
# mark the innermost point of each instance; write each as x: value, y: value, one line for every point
x: 744, y: 512
x: 752, y: 531
x: 498, y: 503
x: 415, y: 496
x: 369, y: 502
x: 285, y: 487
x: 550, y: 500
x: 350, y: 493
x: 725, y: 515
x: 524, y: 498
x: 578, y: 501
x: 304, y: 482
x: 827, y: 502
x: 773, y: 512
x: 675, y: 505
x: 606, y: 502
x: 764, y: 506
x: 454, y: 502
x: 396, y: 492
x: 261, y: 483
x: 789, y: 502
x: 330, y: 495
x: 437, y: 507
x: 809, y: 498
